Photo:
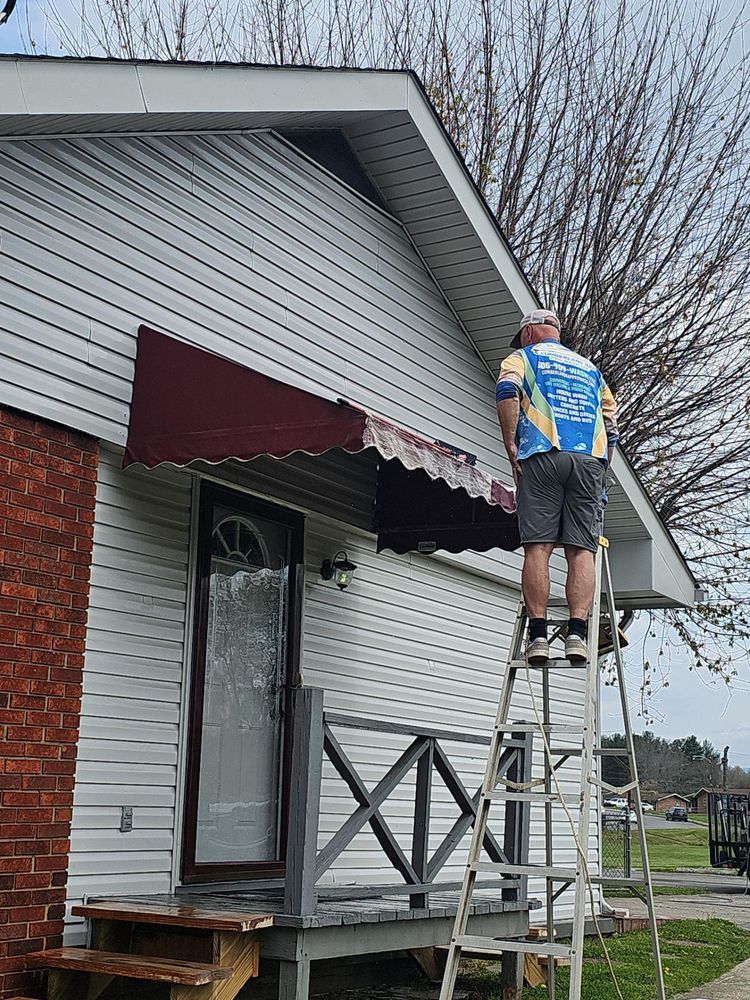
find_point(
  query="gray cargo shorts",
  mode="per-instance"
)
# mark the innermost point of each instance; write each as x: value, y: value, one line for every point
x: 559, y: 499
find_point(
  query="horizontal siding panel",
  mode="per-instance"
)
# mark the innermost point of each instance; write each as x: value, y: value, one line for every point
x: 103, y: 820
x: 129, y: 884
x: 152, y: 842
x: 133, y: 773
x: 107, y: 728
x: 130, y: 687
x: 142, y: 646
x: 112, y: 707
x: 155, y: 754
x: 90, y: 794
x: 151, y: 562
x: 118, y: 863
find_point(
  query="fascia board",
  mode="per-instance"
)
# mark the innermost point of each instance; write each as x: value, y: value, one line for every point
x: 269, y: 89
x: 12, y: 100
x: 38, y: 86
x: 76, y: 88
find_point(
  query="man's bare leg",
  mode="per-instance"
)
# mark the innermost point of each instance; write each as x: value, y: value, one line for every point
x: 535, y: 578
x: 579, y: 588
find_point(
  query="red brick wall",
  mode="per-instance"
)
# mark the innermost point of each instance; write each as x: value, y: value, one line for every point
x: 47, y: 492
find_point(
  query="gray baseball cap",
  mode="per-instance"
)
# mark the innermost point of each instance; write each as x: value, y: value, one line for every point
x: 534, y: 318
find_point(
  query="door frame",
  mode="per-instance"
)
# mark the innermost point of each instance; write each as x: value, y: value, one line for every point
x: 211, y: 493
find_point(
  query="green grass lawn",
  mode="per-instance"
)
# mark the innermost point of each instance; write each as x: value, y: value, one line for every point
x: 613, y: 892
x: 694, y: 952
x: 677, y: 847
x: 698, y: 818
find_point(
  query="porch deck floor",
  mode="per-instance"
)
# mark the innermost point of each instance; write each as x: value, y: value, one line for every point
x: 328, y: 912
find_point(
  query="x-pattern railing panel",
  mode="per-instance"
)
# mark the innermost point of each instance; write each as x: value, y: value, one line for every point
x: 425, y: 751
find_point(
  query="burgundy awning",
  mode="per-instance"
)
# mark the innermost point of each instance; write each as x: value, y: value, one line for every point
x: 190, y: 405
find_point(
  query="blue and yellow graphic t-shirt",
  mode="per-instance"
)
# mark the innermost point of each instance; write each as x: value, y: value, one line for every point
x: 565, y: 402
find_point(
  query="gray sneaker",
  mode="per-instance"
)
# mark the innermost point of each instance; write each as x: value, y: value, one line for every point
x: 537, y: 651
x: 576, y: 649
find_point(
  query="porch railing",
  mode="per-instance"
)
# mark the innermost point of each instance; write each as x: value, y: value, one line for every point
x: 315, y: 740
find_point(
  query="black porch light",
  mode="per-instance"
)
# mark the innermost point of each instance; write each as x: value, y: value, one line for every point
x: 339, y: 569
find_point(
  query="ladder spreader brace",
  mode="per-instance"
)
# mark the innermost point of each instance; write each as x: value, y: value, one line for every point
x: 544, y: 792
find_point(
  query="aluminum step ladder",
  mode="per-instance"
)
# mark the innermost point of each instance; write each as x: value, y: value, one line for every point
x: 545, y: 791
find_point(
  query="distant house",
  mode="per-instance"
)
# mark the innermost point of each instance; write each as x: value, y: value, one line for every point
x: 699, y: 800
x: 665, y: 802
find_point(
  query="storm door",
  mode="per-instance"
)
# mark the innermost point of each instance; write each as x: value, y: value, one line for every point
x: 245, y: 660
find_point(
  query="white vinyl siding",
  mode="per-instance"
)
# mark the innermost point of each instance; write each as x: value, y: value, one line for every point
x: 132, y: 689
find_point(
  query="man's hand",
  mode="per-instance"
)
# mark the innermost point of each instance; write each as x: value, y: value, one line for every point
x: 515, y: 465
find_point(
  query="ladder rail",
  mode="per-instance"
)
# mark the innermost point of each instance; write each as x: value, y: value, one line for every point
x: 480, y: 821
x: 630, y: 744
x: 549, y: 885
x: 587, y: 766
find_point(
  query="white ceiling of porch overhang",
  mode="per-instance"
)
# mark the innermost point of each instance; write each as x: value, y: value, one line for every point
x: 401, y: 144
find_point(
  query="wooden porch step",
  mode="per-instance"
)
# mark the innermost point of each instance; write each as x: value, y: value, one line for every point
x: 210, y: 918
x: 161, y: 970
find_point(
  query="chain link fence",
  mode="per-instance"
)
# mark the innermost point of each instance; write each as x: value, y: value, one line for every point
x: 616, y: 844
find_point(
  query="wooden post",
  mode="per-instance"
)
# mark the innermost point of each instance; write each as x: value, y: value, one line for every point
x: 304, y: 802
x: 294, y: 980
x: 516, y: 848
x: 421, y: 831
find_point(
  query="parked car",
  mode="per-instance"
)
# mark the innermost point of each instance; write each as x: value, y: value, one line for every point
x: 677, y: 814
x: 616, y: 803
x: 646, y: 807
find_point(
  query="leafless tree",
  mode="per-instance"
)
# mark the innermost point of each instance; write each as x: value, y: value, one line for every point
x: 612, y: 141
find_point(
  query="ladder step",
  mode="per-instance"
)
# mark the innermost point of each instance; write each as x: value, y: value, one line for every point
x: 501, y: 795
x: 544, y: 871
x: 492, y: 946
x: 532, y: 727
x: 554, y: 662
x: 577, y: 752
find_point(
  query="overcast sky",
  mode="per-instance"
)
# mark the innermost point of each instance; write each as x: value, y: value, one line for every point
x: 694, y: 703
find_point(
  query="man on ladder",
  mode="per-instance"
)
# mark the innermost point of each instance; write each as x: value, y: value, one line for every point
x: 558, y: 422
x: 558, y: 419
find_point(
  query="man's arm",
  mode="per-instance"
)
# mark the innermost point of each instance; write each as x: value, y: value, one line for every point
x: 609, y: 411
x: 508, y: 411
x: 507, y: 395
